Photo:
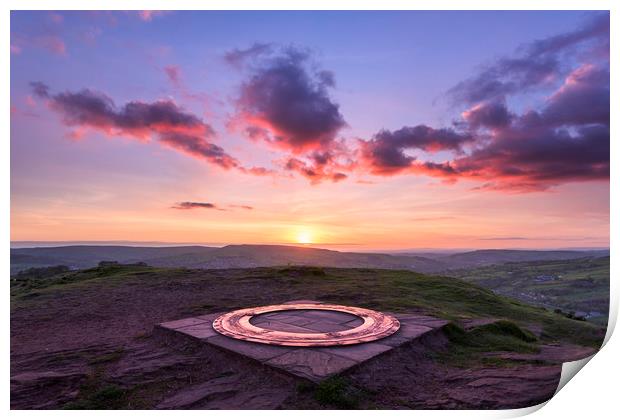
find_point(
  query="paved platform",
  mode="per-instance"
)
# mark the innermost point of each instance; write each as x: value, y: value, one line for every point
x: 312, y: 363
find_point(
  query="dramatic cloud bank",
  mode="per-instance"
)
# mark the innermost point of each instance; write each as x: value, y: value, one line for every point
x: 566, y: 139
x: 536, y: 64
x: 497, y: 139
x: 285, y: 102
x: 162, y: 120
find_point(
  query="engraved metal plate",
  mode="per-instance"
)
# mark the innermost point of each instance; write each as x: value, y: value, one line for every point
x: 376, y: 325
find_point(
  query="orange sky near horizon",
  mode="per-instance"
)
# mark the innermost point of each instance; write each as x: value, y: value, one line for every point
x: 392, y: 214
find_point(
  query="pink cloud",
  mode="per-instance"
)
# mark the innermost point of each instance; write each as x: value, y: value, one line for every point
x: 174, y: 75
x: 49, y: 42
x: 30, y: 101
x: 56, y: 18
x: 149, y: 15
x: 161, y: 120
x: 285, y: 101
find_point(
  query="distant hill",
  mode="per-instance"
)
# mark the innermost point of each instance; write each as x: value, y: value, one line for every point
x: 496, y: 256
x: 85, y: 256
x: 248, y: 256
x: 232, y: 256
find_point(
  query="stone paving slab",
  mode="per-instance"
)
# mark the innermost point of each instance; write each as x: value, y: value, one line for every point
x: 359, y: 352
x: 407, y: 332
x: 311, y: 364
x: 314, y: 364
x: 257, y: 351
x: 183, y: 323
x: 199, y: 331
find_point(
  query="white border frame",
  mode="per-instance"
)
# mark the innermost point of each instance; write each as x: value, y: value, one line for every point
x: 594, y: 391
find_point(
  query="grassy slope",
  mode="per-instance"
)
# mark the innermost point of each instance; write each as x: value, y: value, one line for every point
x: 392, y: 290
x: 578, y: 285
x: 220, y: 290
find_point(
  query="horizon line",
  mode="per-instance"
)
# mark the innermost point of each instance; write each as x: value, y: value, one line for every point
x: 156, y: 244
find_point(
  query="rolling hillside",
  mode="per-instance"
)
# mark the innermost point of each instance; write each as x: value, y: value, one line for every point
x: 579, y: 285
x: 248, y: 256
x: 232, y: 256
x: 496, y: 256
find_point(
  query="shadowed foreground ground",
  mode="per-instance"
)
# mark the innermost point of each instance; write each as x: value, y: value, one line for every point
x: 84, y: 340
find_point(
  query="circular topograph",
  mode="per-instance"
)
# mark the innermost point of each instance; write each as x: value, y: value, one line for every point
x: 376, y: 325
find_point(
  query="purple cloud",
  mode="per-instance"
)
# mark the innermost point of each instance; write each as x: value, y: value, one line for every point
x: 583, y: 99
x: 488, y: 114
x: 315, y: 173
x: 385, y: 153
x: 535, y: 64
x: 40, y: 89
x: 162, y: 120
x: 189, y: 205
x: 565, y: 140
x: 238, y: 57
x: 240, y: 206
x: 286, y: 102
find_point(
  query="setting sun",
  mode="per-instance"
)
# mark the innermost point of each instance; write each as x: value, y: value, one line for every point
x: 304, y: 237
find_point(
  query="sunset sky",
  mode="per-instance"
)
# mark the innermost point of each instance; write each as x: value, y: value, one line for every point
x: 348, y: 130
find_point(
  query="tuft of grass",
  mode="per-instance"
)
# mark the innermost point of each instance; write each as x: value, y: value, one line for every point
x: 109, y: 397
x: 497, y: 336
x: 468, y: 347
x: 338, y: 392
x: 305, y: 387
x: 506, y: 329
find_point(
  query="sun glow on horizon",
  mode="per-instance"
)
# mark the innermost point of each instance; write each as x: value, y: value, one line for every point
x: 304, y: 237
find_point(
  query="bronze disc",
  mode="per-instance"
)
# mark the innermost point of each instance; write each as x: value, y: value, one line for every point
x: 376, y: 325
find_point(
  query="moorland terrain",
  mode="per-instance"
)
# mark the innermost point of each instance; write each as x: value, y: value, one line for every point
x: 249, y: 256
x: 575, y: 282
x: 84, y: 339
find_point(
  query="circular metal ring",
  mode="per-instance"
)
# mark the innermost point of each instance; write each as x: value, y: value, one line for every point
x: 376, y: 325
